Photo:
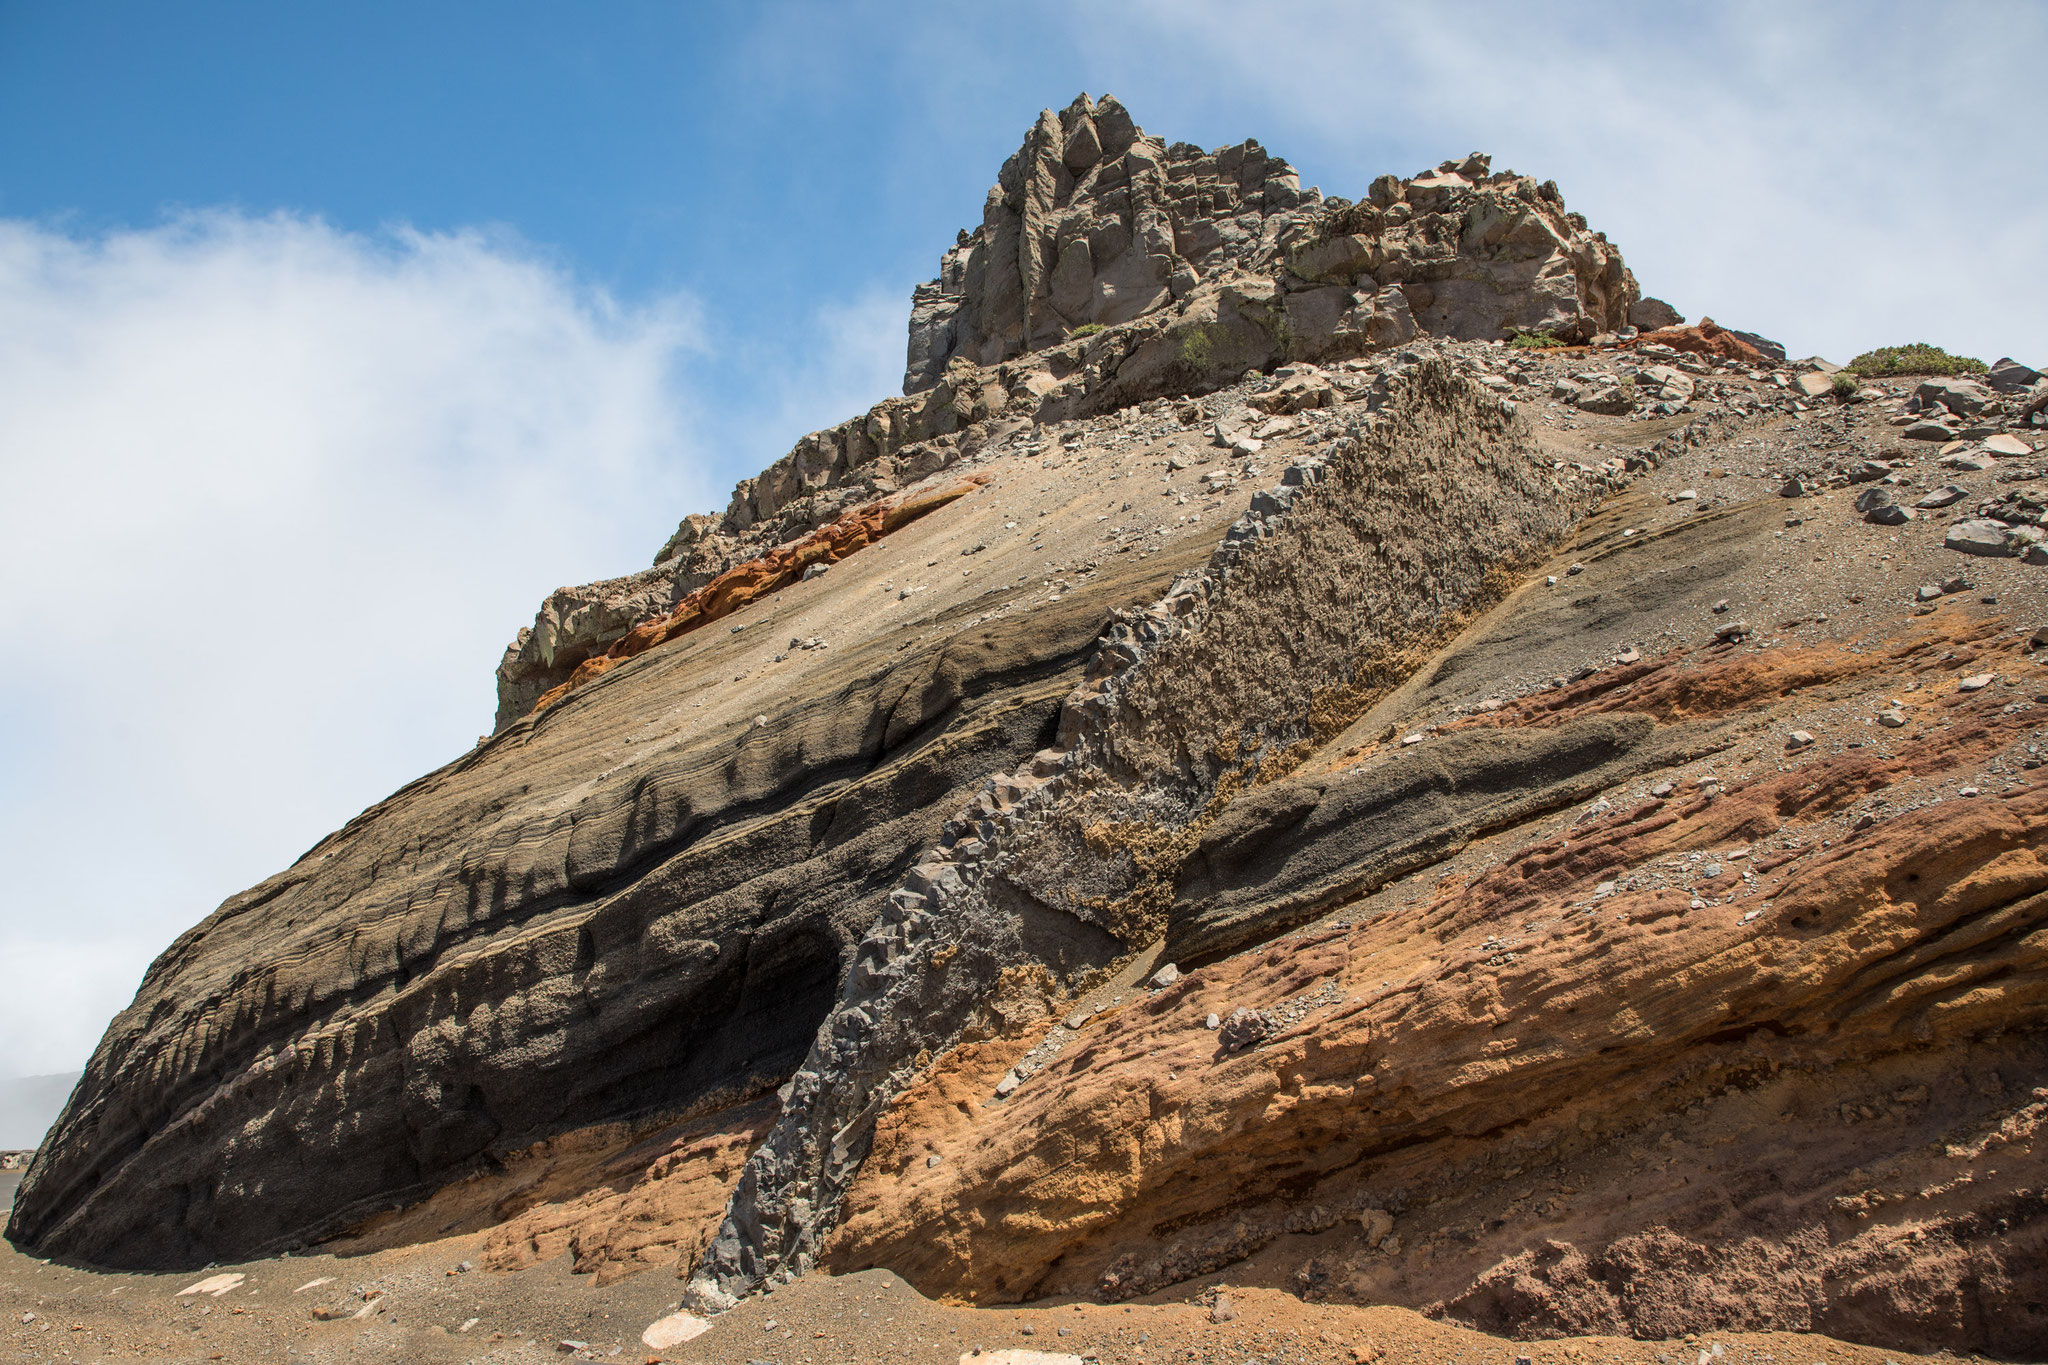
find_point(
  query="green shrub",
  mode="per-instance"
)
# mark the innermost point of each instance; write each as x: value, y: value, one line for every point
x: 1844, y: 385
x: 1918, y: 358
x: 1534, y: 341
x: 1086, y: 329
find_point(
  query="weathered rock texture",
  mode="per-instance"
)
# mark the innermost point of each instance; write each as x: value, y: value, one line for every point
x: 1109, y: 269
x: 626, y: 905
x: 1093, y: 223
x: 1585, y: 1105
x: 1599, y: 880
x: 1424, y: 511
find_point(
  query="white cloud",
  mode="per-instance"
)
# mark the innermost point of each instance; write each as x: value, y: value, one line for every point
x: 1837, y: 176
x: 274, y: 497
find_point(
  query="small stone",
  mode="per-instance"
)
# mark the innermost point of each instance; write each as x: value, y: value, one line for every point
x: 1698, y: 904
x: 1007, y: 1086
x: 930, y: 1162
x: 1798, y: 739
x: 1867, y: 471
x: 2039, y: 638
x: 1663, y: 789
x: 1928, y: 592
x: 1734, y: 630
x: 214, y: 1285
x: 1576, y: 568
x: 1976, y: 682
x: 1927, y: 429
x: 1412, y: 739
x: 1966, y: 791
x: 1792, y: 488
x: 1892, y: 718
x: 1222, y: 1310
x: 1212, y: 1023
x: 1719, y: 606
x: 1245, y: 1028
x: 814, y: 571
x: 1629, y: 656
x: 1889, y: 514
x: 1944, y: 496
x: 1957, y: 584
x: 1166, y: 975
x: 2008, y: 446
x: 569, y: 1347
x: 674, y: 1330
x: 1077, y: 1019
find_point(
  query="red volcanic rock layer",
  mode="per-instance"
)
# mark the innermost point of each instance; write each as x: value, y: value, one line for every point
x: 747, y: 583
x: 1706, y: 337
x: 1584, y: 1098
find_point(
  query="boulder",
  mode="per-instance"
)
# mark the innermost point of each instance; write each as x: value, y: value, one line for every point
x: 2009, y: 376
x: 1770, y: 350
x: 1093, y: 223
x: 1963, y: 397
x: 1650, y: 315
x: 1610, y: 400
x: 1979, y: 536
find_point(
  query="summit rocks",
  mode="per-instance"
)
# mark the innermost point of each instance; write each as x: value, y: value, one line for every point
x: 1094, y: 223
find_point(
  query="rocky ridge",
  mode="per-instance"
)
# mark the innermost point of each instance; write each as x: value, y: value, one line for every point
x: 1146, y: 270
x: 1505, y: 772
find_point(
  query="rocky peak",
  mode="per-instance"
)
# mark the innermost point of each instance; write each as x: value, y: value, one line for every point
x: 1091, y: 221
x: 1094, y: 223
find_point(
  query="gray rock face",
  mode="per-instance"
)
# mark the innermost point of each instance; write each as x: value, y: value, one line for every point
x: 1094, y: 223
x: 2009, y: 376
x: 1648, y: 314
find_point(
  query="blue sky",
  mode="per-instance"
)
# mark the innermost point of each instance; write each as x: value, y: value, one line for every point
x: 333, y: 337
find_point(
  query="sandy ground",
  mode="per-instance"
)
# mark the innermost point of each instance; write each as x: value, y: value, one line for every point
x: 413, y: 1304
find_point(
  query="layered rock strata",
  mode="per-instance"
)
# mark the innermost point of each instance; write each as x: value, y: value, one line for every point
x: 1111, y: 268
x: 1203, y: 798
x: 1313, y: 605
x: 1598, y: 1087
x: 639, y: 902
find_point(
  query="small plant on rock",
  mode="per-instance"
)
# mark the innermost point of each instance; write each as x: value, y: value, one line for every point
x: 1086, y: 329
x: 1917, y: 358
x: 1534, y: 341
x: 1844, y: 385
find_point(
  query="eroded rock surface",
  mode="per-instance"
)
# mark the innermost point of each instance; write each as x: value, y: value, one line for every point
x: 1224, y: 779
x: 1111, y: 268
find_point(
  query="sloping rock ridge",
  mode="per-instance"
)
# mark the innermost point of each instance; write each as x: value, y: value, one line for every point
x: 1111, y: 268
x: 1283, y: 789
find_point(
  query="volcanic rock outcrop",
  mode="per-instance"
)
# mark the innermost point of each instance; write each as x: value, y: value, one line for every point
x: 1238, y: 774
x: 1111, y: 268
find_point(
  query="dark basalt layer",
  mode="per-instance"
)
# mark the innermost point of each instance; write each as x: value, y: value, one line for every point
x: 544, y: 934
